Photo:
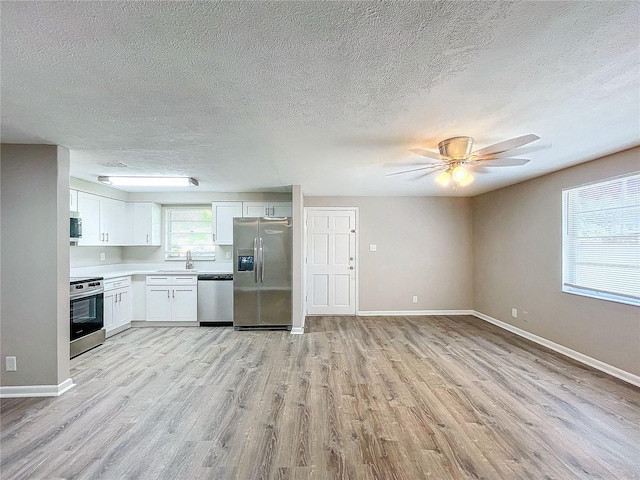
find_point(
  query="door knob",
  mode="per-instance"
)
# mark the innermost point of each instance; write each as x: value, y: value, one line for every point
x: 350, y: 268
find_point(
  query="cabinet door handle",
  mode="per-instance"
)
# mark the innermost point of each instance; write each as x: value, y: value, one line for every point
x: 147, y: 238
x: 107, y: 238
x: 115, y: 299
x: 174, y: 294
x: 102, y: 237
x: 120, y: 297
x: 167, y: 293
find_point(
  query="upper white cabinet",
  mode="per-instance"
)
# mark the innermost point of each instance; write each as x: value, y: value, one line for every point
x: 266, y: 209
x: 89, y: 208
x: 223, y: 215
x: 73, y: 200
x: 113, y: 222
x: 106, y: 221
x: 103, y: 220
x: 280, y: 209
x: 145, y: 223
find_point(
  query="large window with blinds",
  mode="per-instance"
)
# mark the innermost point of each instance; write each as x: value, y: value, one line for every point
x: 601, y: 239
x: 189, y: 228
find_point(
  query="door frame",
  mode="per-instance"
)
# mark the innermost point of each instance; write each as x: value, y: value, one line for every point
x: 306, y: 256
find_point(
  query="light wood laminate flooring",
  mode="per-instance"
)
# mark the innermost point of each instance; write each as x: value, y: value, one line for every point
x: 353, y: 398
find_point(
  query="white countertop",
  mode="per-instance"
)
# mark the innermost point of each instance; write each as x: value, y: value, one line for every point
x: 126, y: 269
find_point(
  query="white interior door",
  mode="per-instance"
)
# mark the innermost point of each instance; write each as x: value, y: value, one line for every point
x: 331, y: 262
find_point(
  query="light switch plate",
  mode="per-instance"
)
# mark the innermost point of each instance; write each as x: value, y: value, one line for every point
x: 373, y: 248
x: 103, y: 256
x: 228, y: 254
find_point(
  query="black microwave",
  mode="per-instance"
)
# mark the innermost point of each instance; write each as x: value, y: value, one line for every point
x: 75, y: 226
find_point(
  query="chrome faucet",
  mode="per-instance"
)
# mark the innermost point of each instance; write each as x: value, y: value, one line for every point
x: 190, y: 263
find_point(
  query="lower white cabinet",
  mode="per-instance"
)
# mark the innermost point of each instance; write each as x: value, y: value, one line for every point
x: 172, y: 298
x: 117, y: 305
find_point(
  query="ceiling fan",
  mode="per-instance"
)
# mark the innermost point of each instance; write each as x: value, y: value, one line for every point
x: 456, y: 157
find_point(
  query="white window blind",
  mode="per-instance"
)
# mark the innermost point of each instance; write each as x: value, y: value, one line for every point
x: 189, y: 228
x: 601, y: 239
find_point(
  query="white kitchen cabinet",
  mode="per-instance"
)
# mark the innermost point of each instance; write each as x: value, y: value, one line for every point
x: 113, y: 224
x: 223, y: 215
x: 172, y: 298
x: 103, y: 220
x: 73, y: 200
x: 89, y: 208
x: 280, y: 209
x: 145, y: 223
x: 117, y: 305
x: 266, y: 209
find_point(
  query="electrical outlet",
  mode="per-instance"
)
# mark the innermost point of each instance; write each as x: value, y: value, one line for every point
x: 11, y: 365
x: 228, y: 254
x: 103, y: 256
x: 514, y: 312
x: 415, y: 299
x: 373, y: 248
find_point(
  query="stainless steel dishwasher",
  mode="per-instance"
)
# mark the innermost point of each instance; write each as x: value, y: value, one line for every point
x: 215, y: 299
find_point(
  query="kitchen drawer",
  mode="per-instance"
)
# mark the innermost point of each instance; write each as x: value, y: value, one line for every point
x: 120, y: 282
x: 185, y: 280
x: 172, y: 279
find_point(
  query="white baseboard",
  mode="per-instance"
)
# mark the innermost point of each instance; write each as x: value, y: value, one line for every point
x: 36, y: 390
x: 580, y: 357
x: 403, y: 313
x: 118, y: 330
x: 297, y: 330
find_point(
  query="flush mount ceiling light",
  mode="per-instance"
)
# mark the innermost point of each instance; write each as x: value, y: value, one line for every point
x: 149, y: 181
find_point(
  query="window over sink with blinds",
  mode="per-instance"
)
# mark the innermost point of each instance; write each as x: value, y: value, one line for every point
x: 601, y: 239
x: 189, y: 229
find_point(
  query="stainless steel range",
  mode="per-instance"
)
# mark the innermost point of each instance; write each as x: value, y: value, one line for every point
x: 87, y: 314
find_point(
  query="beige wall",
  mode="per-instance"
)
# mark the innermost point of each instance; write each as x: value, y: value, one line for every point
x: 517, y: 248
x: 424, y: 248
x: 35, y: 264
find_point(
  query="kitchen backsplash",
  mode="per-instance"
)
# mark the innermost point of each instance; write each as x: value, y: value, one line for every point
x: 91, y: 256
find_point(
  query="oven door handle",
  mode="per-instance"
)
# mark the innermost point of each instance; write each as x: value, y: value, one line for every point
x: 79, y: 296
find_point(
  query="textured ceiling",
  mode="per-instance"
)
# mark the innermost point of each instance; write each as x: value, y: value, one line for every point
x: 248, y: 96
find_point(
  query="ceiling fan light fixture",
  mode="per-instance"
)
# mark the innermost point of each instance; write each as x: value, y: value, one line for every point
x: 149, y: 181
x: 467, y: 180
x: 460, y: 174
x: 444, y: 178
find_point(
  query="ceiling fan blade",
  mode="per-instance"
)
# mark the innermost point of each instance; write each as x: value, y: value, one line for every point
x: 426, y: 153
x: 506, y: 145
x: 503, y: 162
x: 418, y: 177
x: 479, y: 169
x: 516, y: 152
x: 410, y: 164
x: 413, y: 170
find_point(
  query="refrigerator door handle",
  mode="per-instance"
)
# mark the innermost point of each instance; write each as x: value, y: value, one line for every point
x: 261, y: 250
x: 256, y: 259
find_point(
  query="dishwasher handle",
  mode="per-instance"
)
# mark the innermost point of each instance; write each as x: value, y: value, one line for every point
x: 215, y: 277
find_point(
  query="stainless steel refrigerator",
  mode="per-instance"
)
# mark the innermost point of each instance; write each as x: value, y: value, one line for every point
x: 262, y: 272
